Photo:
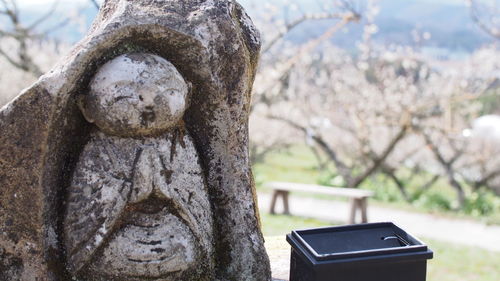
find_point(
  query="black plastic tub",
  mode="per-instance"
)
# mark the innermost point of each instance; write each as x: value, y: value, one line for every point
x: 362, y: 252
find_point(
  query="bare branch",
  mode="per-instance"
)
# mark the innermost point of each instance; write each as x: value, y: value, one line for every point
x: 476, y: 17
x: 9, y: 34
x: 257, y: 156
x: 380, y: 159
x: 301, y: 20
x: 490, y: 177
x: 448, y: 167
x: 11, y: 12
x: 9, y: 6
x: 483, y: 181
x: 94, y: 2
x: 10, y: 59
x: 322, y: 164
x: 343, y: 170
x: 14, y: 6
x: 430, y: 183
x: 23, y: 36
x: 391, y: 173
x: 286, y: 67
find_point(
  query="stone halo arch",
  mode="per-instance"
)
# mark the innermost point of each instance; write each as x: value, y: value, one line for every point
x: 43, y: 130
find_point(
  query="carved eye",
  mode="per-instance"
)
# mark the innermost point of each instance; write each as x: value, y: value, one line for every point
x: 117, y: 99
x: 124, y: 98
x: 172, y: 91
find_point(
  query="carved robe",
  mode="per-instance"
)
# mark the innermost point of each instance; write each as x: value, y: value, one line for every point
x: 138, y: 208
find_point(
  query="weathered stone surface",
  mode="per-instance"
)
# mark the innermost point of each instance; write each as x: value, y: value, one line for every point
x: 45, y: 139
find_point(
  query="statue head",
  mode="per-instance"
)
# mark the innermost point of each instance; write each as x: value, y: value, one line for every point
x: 135, y: 94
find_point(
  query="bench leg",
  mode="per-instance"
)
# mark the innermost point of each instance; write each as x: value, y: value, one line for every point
x: 284, y: 195
x: 364, y: 211
x: 286, y: 206
x: 273, y: 202
x: 354, y: 207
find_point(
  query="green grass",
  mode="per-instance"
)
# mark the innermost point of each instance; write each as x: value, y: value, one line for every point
x: 450, y: 263
x: 298, y: 164
x: 453, y: 262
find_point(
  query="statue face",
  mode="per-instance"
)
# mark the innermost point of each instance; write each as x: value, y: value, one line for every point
x: 135, y: 95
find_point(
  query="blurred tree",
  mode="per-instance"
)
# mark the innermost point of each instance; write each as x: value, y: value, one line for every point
x: 94, y: 2
x: 392, y: 112
x: 26, y: 49
x: 319, y: 107
x: 486, y: 14
x: 278, y: 58
x: 22, y: 34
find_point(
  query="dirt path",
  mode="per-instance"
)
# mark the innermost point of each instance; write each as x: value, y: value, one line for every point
x: 421, y: 225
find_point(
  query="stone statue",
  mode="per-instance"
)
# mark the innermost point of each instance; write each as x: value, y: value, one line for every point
x: 129, y: 159
x: 138, y: 205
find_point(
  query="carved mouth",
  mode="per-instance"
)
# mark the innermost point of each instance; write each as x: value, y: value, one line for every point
x: 148, y: 116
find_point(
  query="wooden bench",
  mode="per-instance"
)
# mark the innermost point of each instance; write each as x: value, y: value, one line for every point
x: 358, y: 196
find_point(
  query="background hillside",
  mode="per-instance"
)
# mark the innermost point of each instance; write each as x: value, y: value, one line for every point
x: 452, y: 32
